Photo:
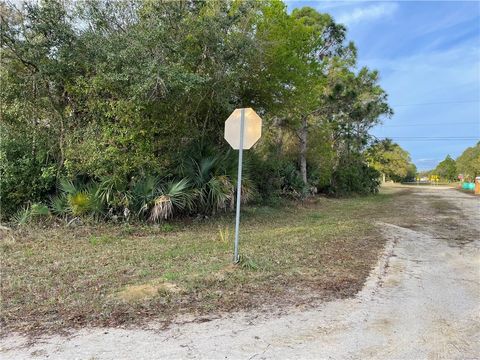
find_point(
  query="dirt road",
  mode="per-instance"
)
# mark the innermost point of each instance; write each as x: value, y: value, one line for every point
x: 422, y: 301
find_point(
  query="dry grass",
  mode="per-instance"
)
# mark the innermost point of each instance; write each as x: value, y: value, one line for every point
x: 110, y: 275
x: 135, y: 293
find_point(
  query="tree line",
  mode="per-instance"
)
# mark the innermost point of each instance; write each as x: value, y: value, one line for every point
x: 116, y: 108
x: 467, y: 165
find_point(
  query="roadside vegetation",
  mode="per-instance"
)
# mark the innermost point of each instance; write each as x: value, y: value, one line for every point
x: 55, y: 278
x: 391, y: 161
x: 467, y: 165
x: 116, y: 183
x: 114, y: 110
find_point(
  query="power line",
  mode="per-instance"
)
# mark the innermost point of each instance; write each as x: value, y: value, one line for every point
x: 439, y: 103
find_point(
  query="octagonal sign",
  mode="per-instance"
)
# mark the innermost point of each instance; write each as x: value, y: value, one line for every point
x: 252, y: 128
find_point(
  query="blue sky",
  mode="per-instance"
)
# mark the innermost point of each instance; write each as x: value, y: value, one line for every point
x: 428, y: 55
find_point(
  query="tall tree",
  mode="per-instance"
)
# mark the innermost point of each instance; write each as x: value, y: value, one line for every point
x: 122, y: 89
x: 320, y: 89
x: 390, y: 160
x: 468, y: 163
x: 447, y: 169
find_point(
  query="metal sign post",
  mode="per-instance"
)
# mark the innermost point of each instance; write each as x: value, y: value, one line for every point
x: 239, y: 185
x: 243, y: 128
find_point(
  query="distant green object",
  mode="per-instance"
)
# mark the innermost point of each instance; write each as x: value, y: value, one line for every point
x: 468, y: 186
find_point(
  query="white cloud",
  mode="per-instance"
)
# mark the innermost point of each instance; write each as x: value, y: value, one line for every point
x: 447, y: 75
x: 425, y: 160
x: 371, y: 12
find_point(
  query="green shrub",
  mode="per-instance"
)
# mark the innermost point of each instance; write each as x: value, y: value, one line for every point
x: 26, y: 215
x: 77, y: 200
x: 25, y: 176
x: 355, y: 177
x: 22, y: 216
x: 292, y: 182
x: 175, y: 196
x: 213, y: 181
x: 143, y: 193
x: 167, y: 227
x: 275, y: 177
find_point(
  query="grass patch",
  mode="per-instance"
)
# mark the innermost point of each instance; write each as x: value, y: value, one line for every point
x: 100, y: 240
x: 107, y: 275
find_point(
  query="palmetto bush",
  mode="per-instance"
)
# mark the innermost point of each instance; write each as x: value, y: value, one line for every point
x: 143, y: 193
x: 220, y: 194
x: 213, y: 180
x: 113, y: 192
x: 77, y: 200
x: 79, y: 203
x: 208, y: 185
x: 27, y: 214
x: 212, y: 189
x: 174, y: 196
x: 59, y: 205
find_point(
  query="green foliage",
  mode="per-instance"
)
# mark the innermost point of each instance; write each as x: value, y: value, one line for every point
x: 143, y: 193
x: 101, y: 240
x: 276, y: 176
x: 77, y: 200
x: 212, y: 180
x: 411, y: 173
x: 175, y: 196
x: 247, y: 263
x: 266, y: 175
x: 142, y: 135
x: 59, y: 205
x: 447, y: 169
x: 356, y: 177
x: 22, y: 216
x: 26, y: 172
x: 36, y: 211
x: 391, y: 160
x: 468, y: 163
x: 292, y: 183
x: 167, y: 227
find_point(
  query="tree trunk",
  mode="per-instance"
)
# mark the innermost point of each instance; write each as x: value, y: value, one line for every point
x: 302, y: 134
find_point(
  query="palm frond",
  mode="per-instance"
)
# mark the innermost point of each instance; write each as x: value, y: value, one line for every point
x: 22, y: 216
x: 143, y: 193
x: 174, y: 196
x: 96, y: 202
x: 220, y: 193
x: 27, y: 214
x: 199, y: 172
x: 111, y: 190
x: 179, y: 193
x: 79, y: 203
x: 39, y: 209
x: 59, y: 205
x: 68, y: 187
x: 162, y: 208
x: 206, y: 166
